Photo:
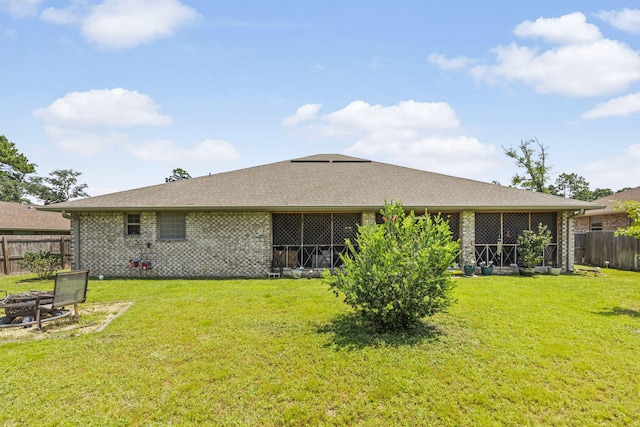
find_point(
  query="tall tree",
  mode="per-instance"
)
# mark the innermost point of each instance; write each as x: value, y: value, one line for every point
x: 61, y: 186
x: 177, y: 174
x: 573, y: 186
x: 14, y: 167
x: 599, y: 193
x: 533, y: 161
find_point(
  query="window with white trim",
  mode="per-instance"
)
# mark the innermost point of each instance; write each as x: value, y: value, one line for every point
x: 133, y: 224
x: 596, y: 223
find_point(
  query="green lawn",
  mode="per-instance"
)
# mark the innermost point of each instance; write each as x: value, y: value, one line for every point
x: 513, y: 351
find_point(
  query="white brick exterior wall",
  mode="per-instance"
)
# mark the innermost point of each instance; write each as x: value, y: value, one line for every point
x: 467, y: 238
x: 217, y: 244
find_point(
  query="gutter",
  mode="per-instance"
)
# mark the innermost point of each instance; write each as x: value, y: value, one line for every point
x: 75, y: 249
x: 569, y: 228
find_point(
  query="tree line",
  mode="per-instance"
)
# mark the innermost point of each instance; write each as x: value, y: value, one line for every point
x: 532, y: 157
x: 18, y: 181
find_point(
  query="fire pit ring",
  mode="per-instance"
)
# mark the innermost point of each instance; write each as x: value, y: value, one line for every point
x: 20, y: 309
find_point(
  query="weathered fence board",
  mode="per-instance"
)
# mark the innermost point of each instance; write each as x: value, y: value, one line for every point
x: 598, y: 247
x: 13, y: 248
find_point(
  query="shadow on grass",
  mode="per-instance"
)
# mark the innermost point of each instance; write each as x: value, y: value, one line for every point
x: 351, y: 332
x: 619, y: 311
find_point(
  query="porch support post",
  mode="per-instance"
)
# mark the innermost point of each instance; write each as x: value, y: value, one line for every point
x: 571, y: 242
x: 468, y: 237
x: 369, y: 218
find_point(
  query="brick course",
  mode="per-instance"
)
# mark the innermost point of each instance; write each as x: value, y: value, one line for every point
x: 609, y: 222
x: 217, y: 244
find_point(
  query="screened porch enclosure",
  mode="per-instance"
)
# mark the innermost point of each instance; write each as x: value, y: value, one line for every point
x: 312, y: 240
x: 496, y: 236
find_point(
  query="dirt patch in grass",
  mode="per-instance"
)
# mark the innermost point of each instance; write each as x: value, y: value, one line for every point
x: 93, y: 318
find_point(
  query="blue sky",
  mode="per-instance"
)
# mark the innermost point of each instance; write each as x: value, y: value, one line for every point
x: 124, y: 91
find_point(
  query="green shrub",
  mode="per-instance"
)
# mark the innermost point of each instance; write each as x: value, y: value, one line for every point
x: 43, y: 263
x: 397, y: 271
x: 531, y: 245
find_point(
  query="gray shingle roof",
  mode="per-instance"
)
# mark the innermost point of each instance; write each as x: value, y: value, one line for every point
x: 321, y: 183
x: 19, y: 217
x: 611, y: 201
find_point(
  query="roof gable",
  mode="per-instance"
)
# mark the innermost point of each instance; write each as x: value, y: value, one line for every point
x: 610, y: 202
x: 19, y: 217
x: 324, y: 182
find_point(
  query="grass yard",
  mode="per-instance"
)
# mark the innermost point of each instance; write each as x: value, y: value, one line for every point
x: 562, y: 351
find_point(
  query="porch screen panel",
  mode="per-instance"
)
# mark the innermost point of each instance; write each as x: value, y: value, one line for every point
x: 345, y: 226
x: 287, y: 229
x: 514, y: 223
x: 317, y: 229
x: 550, y: 219
x: 488, y: 229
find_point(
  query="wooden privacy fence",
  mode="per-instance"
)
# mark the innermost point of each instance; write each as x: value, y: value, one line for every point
x: 598, y: 247
x: 13, y: 248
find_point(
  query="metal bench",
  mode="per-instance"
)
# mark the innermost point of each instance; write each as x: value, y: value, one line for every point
x: 70, y: 288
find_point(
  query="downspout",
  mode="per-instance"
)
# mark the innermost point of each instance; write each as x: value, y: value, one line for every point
x: 75, y: 247
x: 569, y: 217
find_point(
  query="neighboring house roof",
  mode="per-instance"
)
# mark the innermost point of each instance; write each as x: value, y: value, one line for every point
x: 19, y: 217
x: 322, y: 183
x: 611, y: 201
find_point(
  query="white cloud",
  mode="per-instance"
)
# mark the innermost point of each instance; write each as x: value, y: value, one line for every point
x: 104, y: 108
x: 450, y: 63
x: 85, y: 142
x: 60, y: 16
x: 617, y: 172
x: 20, y: 8
x: 168, y: 151
x: 305, y: 113
x: 92, y: 122
x: 567, y: 29
x: 426, y: 135
x: 625, y: 19
x: 405, y: 118
x: 122, y: 24
x: 584, y: 64
x: 621, y: 106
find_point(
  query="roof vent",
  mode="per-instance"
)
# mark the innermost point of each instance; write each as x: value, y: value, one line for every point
x: 310, y: 161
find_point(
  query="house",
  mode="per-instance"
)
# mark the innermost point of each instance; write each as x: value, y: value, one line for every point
x: 23, y: 219
x: 607, y: 218
x: 297, y: 214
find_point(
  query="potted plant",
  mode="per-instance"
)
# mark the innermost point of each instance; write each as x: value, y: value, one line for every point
x: 469, y: 267
x: 554, y: 271
x: 486, y: 268
x: 531, y: 246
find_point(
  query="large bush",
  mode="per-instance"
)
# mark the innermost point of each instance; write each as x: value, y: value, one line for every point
x: 43, y: 263
x: 397, y: 271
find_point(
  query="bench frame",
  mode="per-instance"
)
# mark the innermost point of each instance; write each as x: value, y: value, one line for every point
x: 70, y: 288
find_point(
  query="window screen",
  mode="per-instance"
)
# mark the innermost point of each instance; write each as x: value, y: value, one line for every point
x: 172, y: 226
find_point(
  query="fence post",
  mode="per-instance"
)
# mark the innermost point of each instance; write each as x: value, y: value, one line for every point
x: 5, y: 256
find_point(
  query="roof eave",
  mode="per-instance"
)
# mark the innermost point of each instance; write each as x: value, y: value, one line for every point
x: 352, y: 208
